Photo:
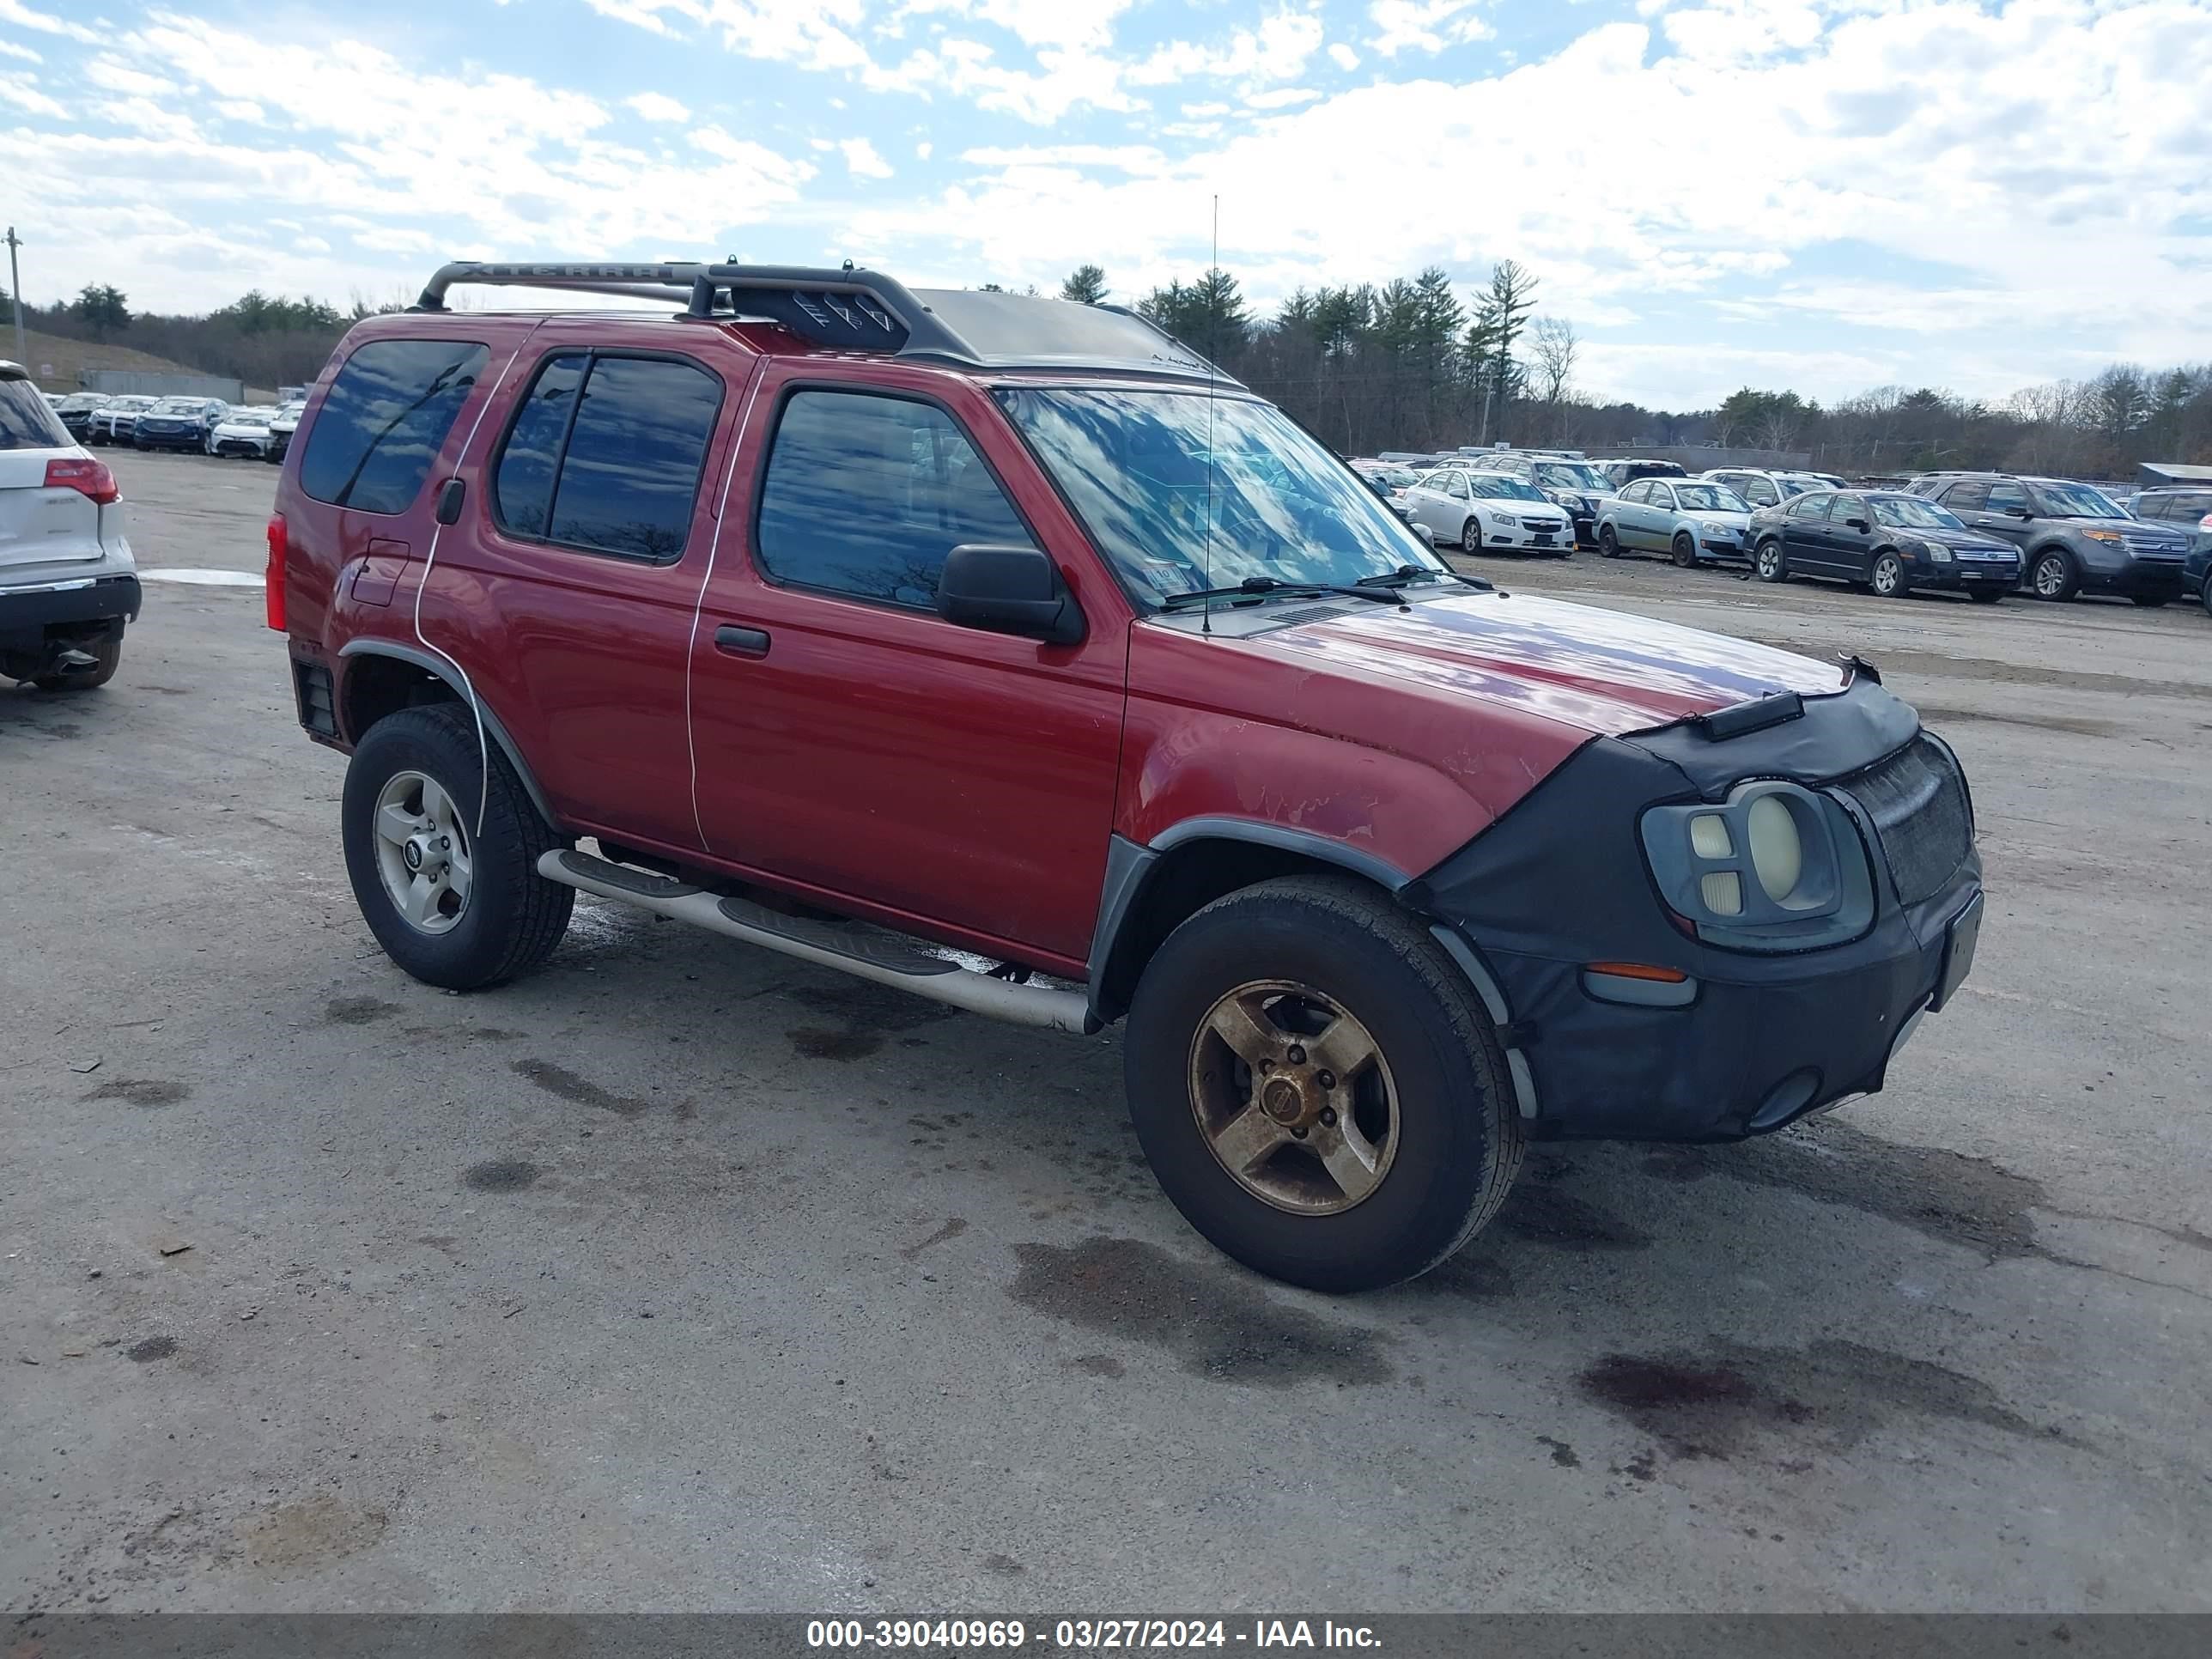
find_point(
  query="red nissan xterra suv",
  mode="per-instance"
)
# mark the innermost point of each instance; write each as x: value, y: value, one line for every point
x: 997, y: 649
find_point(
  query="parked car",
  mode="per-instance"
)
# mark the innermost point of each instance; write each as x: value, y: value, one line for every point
x: 76, y: 411
x: 68, y: 584
x: 179, y: 423
x: 1762, y: 486
x: 1889, y: 540
x: 2186, y: 508
x: 1474, y: 512
x: 1574, y: 484
x: 242, y: 432
x: 1692, y: 520
x: 1006, y: 631
x: 2072, y: 539
x: 115, y: 420
x: 281, y: 429
x: 1621, y: 473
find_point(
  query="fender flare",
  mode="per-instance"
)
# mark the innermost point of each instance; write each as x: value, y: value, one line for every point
x: 442, y: 671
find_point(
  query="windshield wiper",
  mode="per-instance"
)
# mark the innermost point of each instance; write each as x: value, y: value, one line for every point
x: 1269, y: 586
x: 1413, y: 573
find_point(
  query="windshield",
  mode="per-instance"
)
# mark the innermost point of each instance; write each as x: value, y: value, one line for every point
x: 1910, y: 512
x: 1498, y: 485
x: 1570, y: 475
x: 1134, y: 467
x: 176, y: 406
x: 1710, y: 498
x: 130, y: 405
x: 250, y: 417
x: 1791, y: 487
x: 2073, y: 501
x: 82, y: 400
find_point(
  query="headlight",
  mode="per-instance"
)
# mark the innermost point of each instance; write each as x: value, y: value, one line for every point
x: 2112, y: 536
x: 1937, y: 551
x: 1504, y: 517
x: 1773, y: 867
x: 1711, y: 529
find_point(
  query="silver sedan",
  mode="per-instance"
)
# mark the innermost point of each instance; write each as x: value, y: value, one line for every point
x: 1689, y: 519
x: 1483, y: 512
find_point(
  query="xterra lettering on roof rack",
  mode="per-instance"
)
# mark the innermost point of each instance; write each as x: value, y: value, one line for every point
x: 867, y: 310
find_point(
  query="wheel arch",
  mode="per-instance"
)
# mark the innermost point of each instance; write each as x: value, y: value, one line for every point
x: 382, y: 676
x: 1151, y: 890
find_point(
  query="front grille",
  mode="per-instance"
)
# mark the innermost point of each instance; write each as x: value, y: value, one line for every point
x: 1918, y: 801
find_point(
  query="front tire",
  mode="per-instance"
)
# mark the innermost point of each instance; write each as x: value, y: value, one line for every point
x: 1470, y: 536
x: 2149, y: 601
x: 453, y: 907
x: 1316, y: 1087
x: 1686, y: 553
x: 2052, y: 576
x: 1889, y: 577
x: 1771, y: 563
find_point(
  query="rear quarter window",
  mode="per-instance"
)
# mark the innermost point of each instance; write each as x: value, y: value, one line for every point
x: 27, y: 421
x: 379, y: 432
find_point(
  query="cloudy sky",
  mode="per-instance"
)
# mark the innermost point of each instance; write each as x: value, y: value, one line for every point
x: 1831, y: 194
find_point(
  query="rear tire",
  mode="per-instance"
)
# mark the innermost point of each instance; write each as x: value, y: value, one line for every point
x: 509, y: 918
x: 1773, y: 566
x: 106, y: 655
x: 1428, y: 1117
x: 1686, y: 553
x: 1609, y: 544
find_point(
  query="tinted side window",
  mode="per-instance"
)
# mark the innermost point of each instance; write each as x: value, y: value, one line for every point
x: 386, y: 418
x: 25, y: 422
x: 1965, y: 497
x: 2006, y: 498
x: 611, y: 466
x: 522, y: 487
x: 867, y: 494
x: 1810, y: 507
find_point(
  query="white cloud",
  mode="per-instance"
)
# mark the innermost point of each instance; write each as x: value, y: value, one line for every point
x: 121, y: 77
x: 1277, y: 50
x: 861, y: 160
x: 241, y: 109
x: 1425, y: 25
x: 45, y: 23
x: 9, y: 49
x: 657, y: 106
x: 1346, y: 57
x: 922, y: 151
x: 22, y: 91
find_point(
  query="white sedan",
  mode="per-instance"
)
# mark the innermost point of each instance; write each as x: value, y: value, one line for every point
x: 1483, y: 512
x: 242, y: 432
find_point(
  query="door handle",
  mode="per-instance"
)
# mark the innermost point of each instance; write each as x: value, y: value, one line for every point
x: 742, y: 641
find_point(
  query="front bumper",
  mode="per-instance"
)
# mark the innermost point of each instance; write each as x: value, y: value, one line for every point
x: 191, y: 437
x: 1961, y: 576
x: 2134, y: 578
x: 255, y: 447
x: 1522, y: 539
x: 1722, y: 547
x: 1748, y: 1042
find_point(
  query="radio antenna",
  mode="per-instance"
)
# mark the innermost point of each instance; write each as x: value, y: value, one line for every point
x: 1212, y: 350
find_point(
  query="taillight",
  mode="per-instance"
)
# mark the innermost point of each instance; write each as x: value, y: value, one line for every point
x: 280, y: 550
x: 85, y: 476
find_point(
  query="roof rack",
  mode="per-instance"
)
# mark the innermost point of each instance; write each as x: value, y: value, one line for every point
x: 864, y: 310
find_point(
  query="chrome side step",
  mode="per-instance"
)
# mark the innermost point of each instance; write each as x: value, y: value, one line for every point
x: 885, y: 959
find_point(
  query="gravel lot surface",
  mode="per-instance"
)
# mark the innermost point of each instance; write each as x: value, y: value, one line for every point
x: 683, y: 1277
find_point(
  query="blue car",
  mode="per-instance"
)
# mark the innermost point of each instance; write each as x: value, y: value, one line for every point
x: 179, y: 423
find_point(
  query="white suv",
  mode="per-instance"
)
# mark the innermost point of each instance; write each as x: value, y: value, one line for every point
x: 68, y: 583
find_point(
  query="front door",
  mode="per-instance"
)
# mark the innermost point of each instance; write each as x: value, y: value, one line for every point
x: 848, y: 742
x: 1851, y: 548
x: 1804, y: 535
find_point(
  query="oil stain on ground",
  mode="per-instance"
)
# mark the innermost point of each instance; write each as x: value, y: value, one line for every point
x: 565, y: 1085
x: 1215, y: 1325
x: 1543, y: 1214
x: 358, y: 1011
x: 506, y: 1174
x: 154, y: 1347
x: 864, y: 1005
x: 1713, y: 1404
x: 818, y: 1043
x: 141, y: 1091
x: 293, y: 1538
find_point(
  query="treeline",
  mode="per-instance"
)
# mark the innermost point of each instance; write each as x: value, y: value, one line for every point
x: 1405, y: 366
x: 265, y: 340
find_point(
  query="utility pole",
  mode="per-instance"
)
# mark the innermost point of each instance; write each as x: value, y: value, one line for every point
x: 16, y: 292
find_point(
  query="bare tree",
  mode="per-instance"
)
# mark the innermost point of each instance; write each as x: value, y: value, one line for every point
x: 1554, y: 346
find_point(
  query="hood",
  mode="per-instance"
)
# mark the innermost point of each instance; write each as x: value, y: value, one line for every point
x: 1727, y: 515
x: 1961, y: 539
x: 1605, y: 671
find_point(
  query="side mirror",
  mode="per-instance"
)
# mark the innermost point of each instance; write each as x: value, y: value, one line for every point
x: 1859, y: 525
x: 2018, y: 513
x: 450, y: 497
x: 1008, y: 590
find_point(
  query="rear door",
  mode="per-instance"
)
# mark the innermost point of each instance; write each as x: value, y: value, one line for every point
x: 56, y: 526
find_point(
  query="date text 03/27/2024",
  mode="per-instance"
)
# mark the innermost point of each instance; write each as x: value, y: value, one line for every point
x: 1085, y: 1635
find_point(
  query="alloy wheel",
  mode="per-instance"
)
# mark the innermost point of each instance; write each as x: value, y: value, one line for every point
x: 422, y: 852
x: 1294, y: 1098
